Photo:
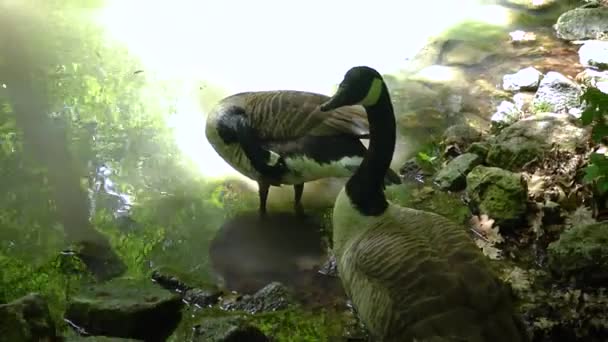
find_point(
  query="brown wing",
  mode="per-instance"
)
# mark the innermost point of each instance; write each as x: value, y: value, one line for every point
x: 429, y: 264
x: 289, y: 114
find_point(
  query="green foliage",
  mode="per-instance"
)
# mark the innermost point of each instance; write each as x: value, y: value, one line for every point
x: 595, y: 114
x: 541, y: 107
x: 429, y: 157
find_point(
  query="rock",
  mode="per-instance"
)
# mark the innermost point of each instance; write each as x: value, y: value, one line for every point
x: 525, y: 79
x: 594, y: 53
x: 522, y: 37
x: 460, y: 136
x: 227, y: 329
x: 582, y: 252
x: 557, y: 93
x: 453, y: 176
x: 506, y: 113
x: 582, y: 23
x: 27, y: 319
x: 498, y: 193
x: 126, y: 308
x: 523, y: 101
x: 203, y: 297
x: 195, y: 291
x: 330, y: 267
x: 480, y: 148
x: 272, y: 297
x: 530, y: 138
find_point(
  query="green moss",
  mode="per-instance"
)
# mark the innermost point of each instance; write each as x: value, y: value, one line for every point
x: 293, y: 324
x: 498, y: 193
x: 426, y: 198
x: 581, y: 252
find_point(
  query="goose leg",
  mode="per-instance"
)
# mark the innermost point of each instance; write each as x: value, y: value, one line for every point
x: 263, y: 188
x: 298, y: 190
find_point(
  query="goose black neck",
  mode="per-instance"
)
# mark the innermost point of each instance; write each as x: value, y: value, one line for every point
x: 365, y: 188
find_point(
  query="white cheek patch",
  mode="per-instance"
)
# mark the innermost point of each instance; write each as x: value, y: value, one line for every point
x: 373, y: 94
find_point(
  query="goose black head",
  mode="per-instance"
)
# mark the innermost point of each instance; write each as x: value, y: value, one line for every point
x: 361, y: 85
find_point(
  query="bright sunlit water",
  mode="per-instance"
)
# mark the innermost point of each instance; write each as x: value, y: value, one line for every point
x: 240, y: 45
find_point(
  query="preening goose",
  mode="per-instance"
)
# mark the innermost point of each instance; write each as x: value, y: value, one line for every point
x: 281, y: 137
x: 412, y: 275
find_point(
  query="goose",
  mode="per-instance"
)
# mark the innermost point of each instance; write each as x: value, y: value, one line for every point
x: 280, y: 137
x: 411, y: 275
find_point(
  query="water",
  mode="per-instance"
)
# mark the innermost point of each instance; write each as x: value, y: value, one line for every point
x: 119, y: 110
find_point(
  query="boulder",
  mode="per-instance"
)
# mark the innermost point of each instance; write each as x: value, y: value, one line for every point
x: 581, y: 252
x: 453, y: 176
x: 498, y: 193
x: 530, y: 138
x: 582, y: 23
x: 525, y: 79
x: 557, y: 93
x: 227, y: 329
x: 126, y: 308
x: 594, y: 53
x: 27, y: 319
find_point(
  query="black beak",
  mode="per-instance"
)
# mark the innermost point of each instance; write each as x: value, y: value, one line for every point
x: 338, y: 100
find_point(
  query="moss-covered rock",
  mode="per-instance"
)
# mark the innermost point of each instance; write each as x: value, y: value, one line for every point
x: 426, y: 198
x: 582, y: 252
x: 126, y: 308
x: 480, y: 148
x: 27, y: 319
x: 453, y: 175
x: 194, y: 290
x: 227, y: 329
x: 582, y: 23
x: 530, y: 138
x: 498, y: 193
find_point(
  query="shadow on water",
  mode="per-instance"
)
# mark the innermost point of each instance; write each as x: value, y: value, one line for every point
x: 250, y: 251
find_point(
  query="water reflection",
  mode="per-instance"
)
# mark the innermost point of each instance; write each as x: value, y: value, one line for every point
x: 249, y: 252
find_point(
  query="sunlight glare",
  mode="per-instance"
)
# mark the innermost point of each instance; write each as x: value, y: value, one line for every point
x: 243, y: 45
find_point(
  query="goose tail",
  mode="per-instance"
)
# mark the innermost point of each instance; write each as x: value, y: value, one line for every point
x: 392, y: 178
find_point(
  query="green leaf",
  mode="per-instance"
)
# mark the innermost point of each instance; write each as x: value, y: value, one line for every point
x: 599, y: 131
x: 588, y: 115
x: 602, y: 185
x: 591, y: 173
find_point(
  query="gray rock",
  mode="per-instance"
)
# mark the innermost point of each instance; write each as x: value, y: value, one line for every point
x: 523, y: 101
x: 582, y: 23
x: 27, y: 319
x: 525, y: 79
x: 506, y: 113
x: 498, y: 193
x: 453, y: 176
x: 594, y: 53
x: 195, y: 291
x: 227, y: 329
x: 126, y: 308
x: 272, y: 297
x: 530, y: 138
x: 557, y: 93
x: 581, y: 252
x: 461, y: 135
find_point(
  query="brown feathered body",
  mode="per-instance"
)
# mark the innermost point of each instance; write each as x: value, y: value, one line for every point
x: 415, y: 275
x: 314, y: 144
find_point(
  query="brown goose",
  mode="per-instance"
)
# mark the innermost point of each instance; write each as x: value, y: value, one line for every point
x: 281, y: 137
x: 412, y: 275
